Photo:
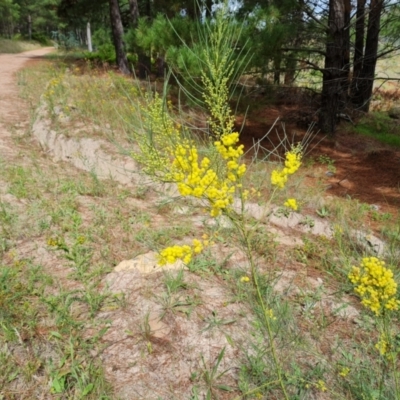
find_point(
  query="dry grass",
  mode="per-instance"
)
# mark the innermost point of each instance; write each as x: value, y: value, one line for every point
x: 8, y: 46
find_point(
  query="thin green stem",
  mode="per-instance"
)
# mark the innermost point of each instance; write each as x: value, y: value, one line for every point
x: 255, y: 390
x: 392, y: 349
x: 254, y: 274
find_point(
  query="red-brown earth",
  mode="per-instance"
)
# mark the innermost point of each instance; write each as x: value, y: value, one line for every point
x: 364, y: 168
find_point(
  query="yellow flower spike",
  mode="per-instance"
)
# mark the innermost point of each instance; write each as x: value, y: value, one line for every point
x: 292, y: 164
x: 382, y: 346
x: 344, y: 372
x: 185, y: 253
x: 197, y: 246
x: 291, y: 203
x: 278, y: 179
x: 245, y: 279
x: 320, y: 385
x: 270, y: 314
x: 375, y: 284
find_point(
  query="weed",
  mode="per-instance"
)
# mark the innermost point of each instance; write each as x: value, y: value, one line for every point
x: 7, y: 221
x: 145, y: 328
x: 210, y: 377
x: 323, y: 212
x: 174, y: 282
x: 78, y: 254
x: 381, y: 217
x: 171, y: 303
x: 23, y: 316
x: 308, y: 222
x: 206, y: 263
x: 329, y: 162
x: 214, y: 321
x: 141, y: 192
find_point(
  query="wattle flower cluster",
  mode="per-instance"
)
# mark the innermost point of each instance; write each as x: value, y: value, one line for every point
x: 168, y: 156
x: 53, y: 85
x: 196, y: 178
x: 383, y: 345
x: 184, y: 253
x: 292, y: 164
x: 291, y: 203
x: 157, y: 146
x: 375, y: 284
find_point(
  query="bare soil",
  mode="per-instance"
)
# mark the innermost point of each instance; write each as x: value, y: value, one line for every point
x: 365, y: 169
x: 12, y: 107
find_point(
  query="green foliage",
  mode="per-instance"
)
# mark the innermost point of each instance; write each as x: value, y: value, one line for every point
x: 66, y: 41
x: 41, y: 13
x: 184, y: 43
x: 105, y: 52
x: 41, y: 38
x: 379, y: 126
x: 104, y: 49
x: 10, y: 13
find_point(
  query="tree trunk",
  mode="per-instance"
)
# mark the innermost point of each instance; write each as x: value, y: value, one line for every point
x: 118, y: 34
x: 290, y: 70
x: 144, y: 60
x: 335, y: 73
x: 134, y: 12
x: 365, y: 80
x: 30, y: 27
x: 345, y: 82
x: 89, y: 37
x: 277, y: 67
x: 290, y: 58
x: 358, y: 49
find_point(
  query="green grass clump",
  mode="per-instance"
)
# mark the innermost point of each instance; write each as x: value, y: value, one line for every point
x: 380, y: 126
x: 40, y: 339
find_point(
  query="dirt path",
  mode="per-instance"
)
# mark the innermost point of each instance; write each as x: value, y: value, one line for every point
x: 13, y: 110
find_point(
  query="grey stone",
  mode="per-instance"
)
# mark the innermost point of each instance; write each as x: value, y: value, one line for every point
x: 370, y: 242
x: 147, y: 264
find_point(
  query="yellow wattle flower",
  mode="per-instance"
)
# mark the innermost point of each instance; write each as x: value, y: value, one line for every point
x: 291, y: 203
x: 292, y: 164
x: 375, y: 284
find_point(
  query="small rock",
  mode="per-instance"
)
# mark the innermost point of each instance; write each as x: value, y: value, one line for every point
x: 346, y: 184
x: 371, y: 242
x: 147, y: 264
x: 285, y: 222
x: 329, y: 173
